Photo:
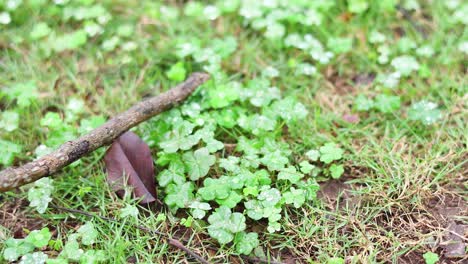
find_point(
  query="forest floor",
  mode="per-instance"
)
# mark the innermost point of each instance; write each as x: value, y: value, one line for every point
x: 384, y: 81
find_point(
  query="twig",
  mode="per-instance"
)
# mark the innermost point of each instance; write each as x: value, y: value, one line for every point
x: 104, y: 135
x: 171, y: 241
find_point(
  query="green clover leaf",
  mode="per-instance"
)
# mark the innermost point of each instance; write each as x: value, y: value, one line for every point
x: 230, y: 164
x: 362, y: 103
x: 40, y: 30
x: 336, y: 260
x: 93, y: 256
x: 215, y: 189
x: 274, y: 161
x: 231, y: 201
x: 271, y: 145
x: 224, y: 224
x: 179, y: 138
x: 430, y: 257
x: 222, y: 95
x: 259, y: 178
x: 257, y: 124
x: 288, y: 109
x: 214, y: 145
x: 227, y: 117
x: 250, y: 161
x: 75, y: 106
x: 313, y: 155
x: 161, y: 217
x: 179, y: 196
x: 306, y: 167
x: 24, y: 93
x: 198, y: 163
x: 246, y: 242
x: 295, y: 196
x: 248, y: 146
x: 129, y: 211
x: 88, y: 233
x: 173, y: 174
x: 72, y: 250
x: 229, y: 6
x: 425, y: 111
x: 405, y: 65
x: 340, y: 45
x: 262, y: 95
x: 273, y: 213
x: 34, y: 258
x: 52, y: 120
x: 357, y: 6
x: 336, y: 171
x: 177, y: 72
x: 199, y: 209
x: 193, y: 9
x: 110, y: 44
x: 254, y: 209
x: 9, y: 121
x: 69, y: 41
x: 39, y: 238
x: 224, y: 47
x: 125, y: 30
x: 84, y: 12
x: 15, y: 248
x: 87, y: 125
x: 387, y: 103
x: 406, y: 44
x: 269, y: 197
x: 311, y: 188
x: 187, y: 222
x: 251, y: 190
x: 59, y: 135
x: 273, y: 227
x: 330, y: 152
x: 59, y: 260
x: 192, y: 109
x: 290, y: 174
x: 239, y: 179
x: 39, y: 196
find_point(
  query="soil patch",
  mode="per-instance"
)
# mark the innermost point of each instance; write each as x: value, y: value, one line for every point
x: 14, y: 219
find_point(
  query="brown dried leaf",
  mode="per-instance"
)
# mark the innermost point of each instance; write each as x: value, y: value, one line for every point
x: 129, y: 163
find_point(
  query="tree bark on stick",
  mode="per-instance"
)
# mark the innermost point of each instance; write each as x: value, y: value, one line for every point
x: 71, y: 151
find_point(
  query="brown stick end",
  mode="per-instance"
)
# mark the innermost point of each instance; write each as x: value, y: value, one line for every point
x: 201, y: 77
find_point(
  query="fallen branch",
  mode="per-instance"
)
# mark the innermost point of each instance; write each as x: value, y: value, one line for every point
x: 104, y: 135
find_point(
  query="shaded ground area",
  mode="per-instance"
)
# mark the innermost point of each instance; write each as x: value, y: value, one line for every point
x: 16, y: 220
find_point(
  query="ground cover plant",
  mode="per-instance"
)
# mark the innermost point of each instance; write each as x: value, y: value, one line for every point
x: 329, y: 132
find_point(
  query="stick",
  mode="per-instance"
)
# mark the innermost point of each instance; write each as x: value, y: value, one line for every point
x: 104, y: 135
x: 171, y: 241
